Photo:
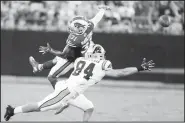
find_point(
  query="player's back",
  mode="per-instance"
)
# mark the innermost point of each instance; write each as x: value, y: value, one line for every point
x: 77, y: 44
x: 79, y: 40
x: 87, y: 72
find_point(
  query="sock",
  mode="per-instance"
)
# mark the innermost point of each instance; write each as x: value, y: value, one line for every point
x: 40, y: 67
x: 27, y: 108
x: 48, y: 65
x: 18, y: 110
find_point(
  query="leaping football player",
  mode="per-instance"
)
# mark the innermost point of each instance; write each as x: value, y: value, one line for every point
x: 88, y: 71
x: 78, y: 41
x: 77, y: 44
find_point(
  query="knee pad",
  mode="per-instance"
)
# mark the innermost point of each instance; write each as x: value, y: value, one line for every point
x: 89, y: 110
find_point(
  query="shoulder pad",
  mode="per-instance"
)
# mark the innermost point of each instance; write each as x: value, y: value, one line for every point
x: 106, y: 65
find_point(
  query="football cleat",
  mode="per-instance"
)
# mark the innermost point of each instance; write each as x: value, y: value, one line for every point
x: 34, y: 64
x: 9, y: 112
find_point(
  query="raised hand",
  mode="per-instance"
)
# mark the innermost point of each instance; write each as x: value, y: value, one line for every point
x: 44, y: 49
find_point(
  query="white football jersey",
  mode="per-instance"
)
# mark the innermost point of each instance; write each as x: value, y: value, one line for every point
x: 87, y: 72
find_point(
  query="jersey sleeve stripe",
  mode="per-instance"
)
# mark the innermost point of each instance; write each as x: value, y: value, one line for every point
x: 70, y: 44
x: 103, y: 65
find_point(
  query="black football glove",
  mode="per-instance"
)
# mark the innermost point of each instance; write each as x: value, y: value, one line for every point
x: 146, y: 65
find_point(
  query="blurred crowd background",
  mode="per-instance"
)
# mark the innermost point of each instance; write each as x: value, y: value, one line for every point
x: 125, y: 16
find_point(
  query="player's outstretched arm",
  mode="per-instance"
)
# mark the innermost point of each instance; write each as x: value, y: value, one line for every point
x: 121, y: 72
x: 130, y: 70
x: 99, y: 15
x: 48, y: 49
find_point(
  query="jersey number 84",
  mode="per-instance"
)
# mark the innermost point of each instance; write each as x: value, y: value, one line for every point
x: 88, y: 71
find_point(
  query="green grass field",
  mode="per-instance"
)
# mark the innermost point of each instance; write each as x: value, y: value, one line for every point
x: 113, y: 101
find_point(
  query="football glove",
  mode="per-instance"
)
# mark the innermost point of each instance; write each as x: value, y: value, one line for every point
x: 146, y: 65
x: 44, y: 49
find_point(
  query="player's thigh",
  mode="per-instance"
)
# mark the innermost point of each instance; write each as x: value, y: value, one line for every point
x: 81, y: 102
x: 60, y: 67
x: 60, y: 62
x: 55, y: 99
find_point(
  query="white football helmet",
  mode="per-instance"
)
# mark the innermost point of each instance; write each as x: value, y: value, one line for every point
x: 78, y: 25
x: 96, y: 52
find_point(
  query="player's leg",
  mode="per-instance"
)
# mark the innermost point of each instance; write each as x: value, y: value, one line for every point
x: 84, y: 104
x: 53, y: 101
x: 62, y: 66
x: 55, y: 65
x: 60, y: 97
x: 39, y: 67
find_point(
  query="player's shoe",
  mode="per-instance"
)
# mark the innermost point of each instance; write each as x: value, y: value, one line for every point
x: 34, y: 64
x: 61, y: 109
x: 9, y: 112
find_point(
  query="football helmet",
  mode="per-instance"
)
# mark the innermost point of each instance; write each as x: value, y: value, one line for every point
x: 78, y: 25
x: 96, y: 51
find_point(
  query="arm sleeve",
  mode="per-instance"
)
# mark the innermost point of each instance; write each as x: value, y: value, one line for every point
x: 98, y: 17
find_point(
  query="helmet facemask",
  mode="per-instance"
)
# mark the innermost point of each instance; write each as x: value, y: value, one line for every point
x: 77, y: 26
x: 98, y: 52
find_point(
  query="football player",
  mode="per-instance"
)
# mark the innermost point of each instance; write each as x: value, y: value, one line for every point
x: 88, y: 71
x: 78, y: 41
